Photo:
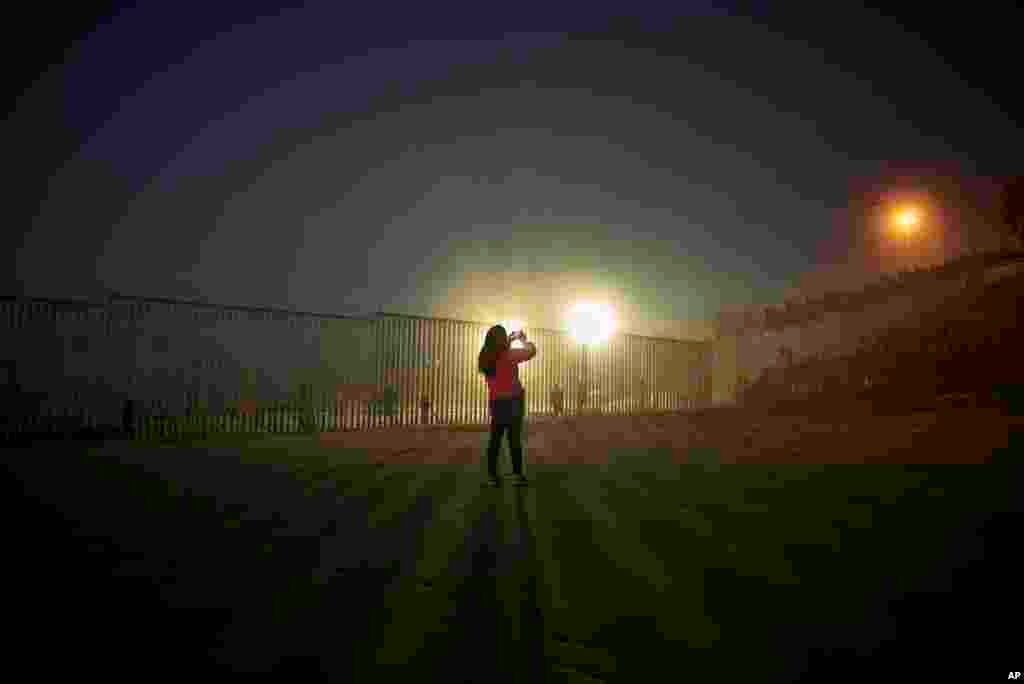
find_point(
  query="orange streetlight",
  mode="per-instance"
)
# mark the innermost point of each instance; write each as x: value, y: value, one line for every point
x: 905, y: 225
x: 907, y: 220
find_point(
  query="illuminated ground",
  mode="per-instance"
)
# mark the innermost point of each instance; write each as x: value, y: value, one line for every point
x: 286, y: 554
x: 950, y: 435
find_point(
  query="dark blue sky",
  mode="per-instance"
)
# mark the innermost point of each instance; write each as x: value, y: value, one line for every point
x: 332, y: 159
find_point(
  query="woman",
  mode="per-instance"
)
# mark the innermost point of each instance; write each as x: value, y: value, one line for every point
x: 500, y: 365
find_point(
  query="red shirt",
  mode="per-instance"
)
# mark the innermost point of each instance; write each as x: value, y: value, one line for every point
x: 505, y: 383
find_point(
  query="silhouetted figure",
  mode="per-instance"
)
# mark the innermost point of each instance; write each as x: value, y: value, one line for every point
x: 128, y: 417
x: 499, y: 364
x: 424, y: 409
x: 557, y: 400
x: 1012, y: 207
x: 643, y: 395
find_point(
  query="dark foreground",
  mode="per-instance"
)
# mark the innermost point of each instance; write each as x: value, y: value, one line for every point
x: 282, y: 556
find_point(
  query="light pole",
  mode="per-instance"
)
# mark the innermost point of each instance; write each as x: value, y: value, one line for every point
x: 589, y: 324
x: 583, y: 381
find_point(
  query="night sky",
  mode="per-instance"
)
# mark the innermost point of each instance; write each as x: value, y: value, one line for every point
x: 437, y: 162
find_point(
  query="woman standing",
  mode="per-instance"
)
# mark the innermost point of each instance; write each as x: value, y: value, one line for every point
x: 500, y: 365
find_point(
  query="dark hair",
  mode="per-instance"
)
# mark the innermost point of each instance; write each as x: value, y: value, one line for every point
x: 495, y: 344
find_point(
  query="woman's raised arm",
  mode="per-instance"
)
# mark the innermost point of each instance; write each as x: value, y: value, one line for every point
x: 528, y: 351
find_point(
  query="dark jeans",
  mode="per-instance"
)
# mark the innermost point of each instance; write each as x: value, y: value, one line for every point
x: 506, y: 414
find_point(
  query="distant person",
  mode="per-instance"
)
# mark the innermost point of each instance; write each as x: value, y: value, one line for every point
x: 557, y: 400
x: 425, y: 409
x: 128, y: 417
x: 499, y: 364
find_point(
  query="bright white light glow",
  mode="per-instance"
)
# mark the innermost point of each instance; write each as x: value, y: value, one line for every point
x: 591, y: 323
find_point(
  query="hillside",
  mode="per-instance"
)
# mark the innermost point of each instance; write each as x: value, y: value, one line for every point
x: 963, y: 344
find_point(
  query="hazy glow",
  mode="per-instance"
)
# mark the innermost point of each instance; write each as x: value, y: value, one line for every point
x: 591, y: 323
x: 907, y: 219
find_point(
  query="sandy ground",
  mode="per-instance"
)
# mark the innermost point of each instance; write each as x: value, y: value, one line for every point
x: 955, y: 435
